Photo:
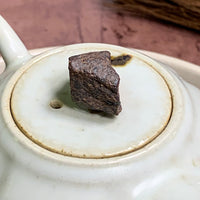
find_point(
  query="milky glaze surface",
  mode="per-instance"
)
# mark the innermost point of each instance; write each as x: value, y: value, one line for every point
x: 166, y: 168
x: 172, y: 166
x: 69, y: 130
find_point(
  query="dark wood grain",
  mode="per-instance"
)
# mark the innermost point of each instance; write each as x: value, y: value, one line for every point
x: 42, y: 23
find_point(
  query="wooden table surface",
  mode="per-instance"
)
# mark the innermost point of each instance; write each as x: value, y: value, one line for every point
x: 43, y: 23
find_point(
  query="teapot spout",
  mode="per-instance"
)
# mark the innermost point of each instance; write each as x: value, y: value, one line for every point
x: 12, y: 49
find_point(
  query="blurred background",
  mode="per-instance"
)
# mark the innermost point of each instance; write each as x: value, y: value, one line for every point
x: 45, y: 23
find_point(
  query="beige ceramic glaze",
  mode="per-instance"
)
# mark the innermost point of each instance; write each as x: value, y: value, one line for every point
x: 150, y: 151
x: 71, y: 131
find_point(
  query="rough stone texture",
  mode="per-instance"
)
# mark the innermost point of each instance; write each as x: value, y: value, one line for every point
x: 43, y: 23
x: 94, y: 82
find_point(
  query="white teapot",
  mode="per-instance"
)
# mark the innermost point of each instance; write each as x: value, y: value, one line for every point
x: 51, y: 149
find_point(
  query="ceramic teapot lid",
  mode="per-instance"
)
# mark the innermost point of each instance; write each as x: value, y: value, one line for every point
x: 42, y: 108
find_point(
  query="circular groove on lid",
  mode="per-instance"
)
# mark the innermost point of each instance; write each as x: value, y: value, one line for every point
x: 146, y: 109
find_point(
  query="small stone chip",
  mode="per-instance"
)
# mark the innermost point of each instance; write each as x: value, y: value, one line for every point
x: 94, y: 82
